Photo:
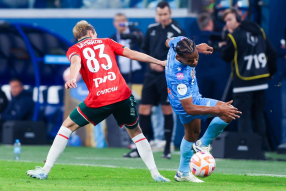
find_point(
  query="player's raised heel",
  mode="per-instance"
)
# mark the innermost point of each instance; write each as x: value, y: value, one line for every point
x: 191, y: 178
x: 198, y: 147
x: 38, y: 173
x: 161, y: 178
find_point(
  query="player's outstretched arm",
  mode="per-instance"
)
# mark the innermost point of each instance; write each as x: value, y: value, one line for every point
x: 134, y: 55
x: 204, y: 48
x: 75, y: 68
x: 225, y: 109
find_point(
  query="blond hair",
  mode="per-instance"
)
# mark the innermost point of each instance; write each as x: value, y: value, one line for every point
x: 81, y: 29
x: 230, y: 10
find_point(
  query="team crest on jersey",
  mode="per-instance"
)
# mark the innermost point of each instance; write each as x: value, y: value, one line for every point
x: 180, y: 76
x: 252, y: 40
x: 169, y: 34
x: 153, y: 33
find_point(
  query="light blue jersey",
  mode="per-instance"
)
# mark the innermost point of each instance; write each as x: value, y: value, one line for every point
x: 182, y: 84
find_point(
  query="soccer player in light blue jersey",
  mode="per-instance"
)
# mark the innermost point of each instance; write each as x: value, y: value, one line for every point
x: 187, y: 102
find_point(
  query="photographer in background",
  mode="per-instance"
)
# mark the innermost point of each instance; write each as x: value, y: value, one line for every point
x: 212, y: 72
x: 128, y: 36
x: 254, y: 62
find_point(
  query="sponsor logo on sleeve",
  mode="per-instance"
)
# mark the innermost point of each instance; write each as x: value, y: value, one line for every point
x: 182, y: 89
x: 180, y: 76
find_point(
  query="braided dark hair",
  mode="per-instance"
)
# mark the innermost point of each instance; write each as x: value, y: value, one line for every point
x: 185, y: 46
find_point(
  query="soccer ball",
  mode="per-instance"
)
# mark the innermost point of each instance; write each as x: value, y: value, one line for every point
x: 202, y: 164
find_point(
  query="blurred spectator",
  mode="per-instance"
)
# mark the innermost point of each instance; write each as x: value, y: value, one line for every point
x: 21, y: 106
x: 128, y: 36
x: 254, y: 63
x: 102, y: 4
x: 68, y: 3
x: 208, y: 5
x: 3, y: 101
x: 212, y: 72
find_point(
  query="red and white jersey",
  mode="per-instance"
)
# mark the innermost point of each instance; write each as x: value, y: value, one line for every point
x: 100, y: 71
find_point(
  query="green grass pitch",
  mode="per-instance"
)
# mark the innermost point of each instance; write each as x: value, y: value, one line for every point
x: 105, y: 169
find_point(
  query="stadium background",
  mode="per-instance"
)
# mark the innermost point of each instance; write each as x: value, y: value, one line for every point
x: 59, y: 23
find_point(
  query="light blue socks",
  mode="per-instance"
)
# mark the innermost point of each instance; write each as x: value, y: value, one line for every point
x: 186, y: 155
x: 216, y: 126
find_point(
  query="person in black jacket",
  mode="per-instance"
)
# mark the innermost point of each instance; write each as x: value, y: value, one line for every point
x: 154, y: 90
x: 253, y: 62
x: 3, y: 101
x: 212, y: 72
x: 128, y: 36
x: 21, y: 106
x: 3, y: 105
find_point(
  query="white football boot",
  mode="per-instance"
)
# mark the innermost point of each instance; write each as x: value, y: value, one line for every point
x: 191, y: 178
x: 197, y: 146
x: 38, y: 173
x: 160, y: 178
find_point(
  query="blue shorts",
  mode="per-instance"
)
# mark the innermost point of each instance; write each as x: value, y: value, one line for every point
x: 185, y: 118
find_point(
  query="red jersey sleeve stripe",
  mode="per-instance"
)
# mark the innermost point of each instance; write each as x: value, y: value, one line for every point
x: 140, y: 140
x: 84, y: 116
x: 63, y: 136
x: 72, y: 54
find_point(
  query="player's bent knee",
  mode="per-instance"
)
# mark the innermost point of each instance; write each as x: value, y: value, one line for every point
x: 145, y: 109
x: 134, y: 132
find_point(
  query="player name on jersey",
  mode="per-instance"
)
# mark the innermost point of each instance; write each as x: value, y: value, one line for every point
x: 88, y: 42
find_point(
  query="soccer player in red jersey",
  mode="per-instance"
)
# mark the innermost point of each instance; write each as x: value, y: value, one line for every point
x: 108, y: 94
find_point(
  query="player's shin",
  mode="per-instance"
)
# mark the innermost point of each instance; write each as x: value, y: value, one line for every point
x: 216, y: 126
x: 146, y: 153
x: 186, y: 155
x: 57, y: 147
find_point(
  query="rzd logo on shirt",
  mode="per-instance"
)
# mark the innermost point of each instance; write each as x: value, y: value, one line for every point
x: 182, y: 89
x: 111, y: 76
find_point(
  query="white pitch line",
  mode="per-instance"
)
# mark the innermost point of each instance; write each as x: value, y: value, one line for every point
x: 167, y: 169
x: 102, y: 158
x: 272, y: 175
